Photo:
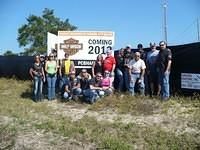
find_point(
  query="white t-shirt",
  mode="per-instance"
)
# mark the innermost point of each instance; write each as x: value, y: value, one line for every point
x: 136, y: 66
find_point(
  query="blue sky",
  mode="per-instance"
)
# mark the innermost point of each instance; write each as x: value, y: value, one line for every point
x: 133, y: 21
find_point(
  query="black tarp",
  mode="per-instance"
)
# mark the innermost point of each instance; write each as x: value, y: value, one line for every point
x: 15, y: 66
x: 186, y: 59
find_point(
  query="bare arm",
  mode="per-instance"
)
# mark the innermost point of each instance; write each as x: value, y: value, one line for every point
x: 142, y: 74
x: 93, y: 65
x: 72, y: 66
x: 61, y: 67
x: 31, y: 72
x: 46, y: 64
x: 95, y: 88
x: 168, y: 65
x: 67, y: 89
x: 113, y: 68
x: 57, y: 66
x: 43, y: 75
x: 129, y: 72
x: 77, y: 86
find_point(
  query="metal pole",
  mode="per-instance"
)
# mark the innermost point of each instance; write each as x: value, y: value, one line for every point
x: 165, y: 20
x: 198, y: 30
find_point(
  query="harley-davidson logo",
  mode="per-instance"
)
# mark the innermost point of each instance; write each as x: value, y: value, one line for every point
x: 71, y: 46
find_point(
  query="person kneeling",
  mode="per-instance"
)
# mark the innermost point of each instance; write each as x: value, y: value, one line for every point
x: 106, y: 83
x: 96, y: 89
x: 72, y: 88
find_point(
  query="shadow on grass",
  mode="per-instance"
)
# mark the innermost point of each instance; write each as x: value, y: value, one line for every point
x: 28, y: 94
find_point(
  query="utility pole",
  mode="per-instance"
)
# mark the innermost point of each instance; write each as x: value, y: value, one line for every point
x: 165, y: 20
x: 198, y: 33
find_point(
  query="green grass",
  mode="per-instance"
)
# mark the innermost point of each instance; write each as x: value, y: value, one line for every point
x: 24, y: 116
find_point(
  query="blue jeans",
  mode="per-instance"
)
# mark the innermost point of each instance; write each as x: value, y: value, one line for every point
x: 76, y: 92
x: 164, y: 83
x: 134, y: 79
x: 63, y: 81
x: 120, y: 78
x: 37, y: 89
x: 90, y: 96
x: 51, y: 81
x: 126, y: 79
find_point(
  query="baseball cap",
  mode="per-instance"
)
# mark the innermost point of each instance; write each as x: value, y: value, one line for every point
x: 128, y: 46
x: 152, y: 44
x: 140, y: 46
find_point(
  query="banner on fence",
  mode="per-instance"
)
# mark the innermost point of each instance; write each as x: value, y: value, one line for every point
x: 190, y: 81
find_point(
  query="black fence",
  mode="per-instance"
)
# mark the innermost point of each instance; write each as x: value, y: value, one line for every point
x: 186, y: 59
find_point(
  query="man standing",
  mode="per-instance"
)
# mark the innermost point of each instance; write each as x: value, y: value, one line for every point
x: 164, y: 65
x: 136, y: 74
x: 66, y: 67
x: 120, y: 70
x: 152, y: 73
x: 127, y: 59
x: 109, y: 64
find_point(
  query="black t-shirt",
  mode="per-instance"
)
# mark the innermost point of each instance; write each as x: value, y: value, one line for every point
x: 73, y: 82
x: 95, y: 82
x: 143, y: 55
x: 127, y: 57
x: 85, y: 83
x: 163, y: 57
x: 98, y: 68
x: 119, y: 62
x: 37, y: 68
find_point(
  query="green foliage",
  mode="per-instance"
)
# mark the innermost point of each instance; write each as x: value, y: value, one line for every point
x: 33, y: 35
x: 9, y: 53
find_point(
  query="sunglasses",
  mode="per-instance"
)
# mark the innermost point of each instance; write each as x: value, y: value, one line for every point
x: 99, y: 76
x: 162, y: 44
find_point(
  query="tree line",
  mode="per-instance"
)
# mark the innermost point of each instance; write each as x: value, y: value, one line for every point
x: 32, y: 36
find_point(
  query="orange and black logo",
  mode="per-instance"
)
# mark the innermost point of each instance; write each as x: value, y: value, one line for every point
x: 71, y: 46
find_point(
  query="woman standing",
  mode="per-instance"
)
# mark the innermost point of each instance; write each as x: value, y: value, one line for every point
x: 51, y: 70
x: 97, y: 66
x: 37, y: 74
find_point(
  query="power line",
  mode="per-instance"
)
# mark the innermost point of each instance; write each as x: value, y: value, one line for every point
x: 182, y: 34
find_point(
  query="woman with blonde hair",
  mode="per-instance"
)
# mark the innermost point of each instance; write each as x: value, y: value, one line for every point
x: 51, y: 70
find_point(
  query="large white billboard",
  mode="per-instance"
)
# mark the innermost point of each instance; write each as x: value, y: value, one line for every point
x: 82, y: 46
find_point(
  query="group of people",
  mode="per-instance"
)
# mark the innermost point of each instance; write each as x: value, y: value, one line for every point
x: 89, y: 87
x: 144, y: 72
